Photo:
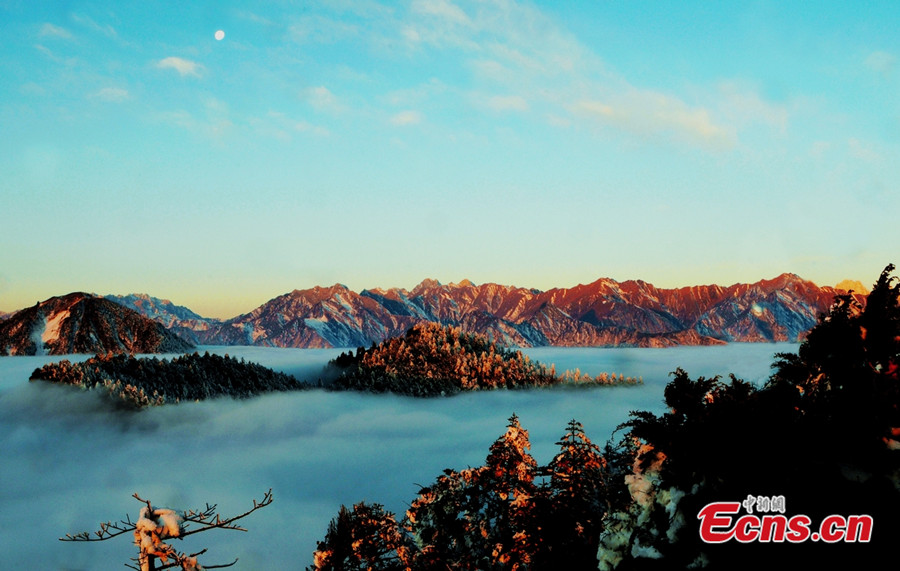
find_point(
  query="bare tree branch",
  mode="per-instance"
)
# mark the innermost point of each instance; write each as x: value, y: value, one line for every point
x: 156, y: 525
x: 103, y: 533
x: 205, y: 518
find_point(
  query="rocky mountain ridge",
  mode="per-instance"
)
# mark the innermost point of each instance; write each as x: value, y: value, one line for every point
x: 185, y: 323
x: 602, y: 313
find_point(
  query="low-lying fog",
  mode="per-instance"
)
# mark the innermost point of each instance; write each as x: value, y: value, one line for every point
x: 67, y: 462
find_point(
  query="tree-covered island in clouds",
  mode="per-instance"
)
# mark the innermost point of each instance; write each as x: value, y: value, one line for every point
x: 141, y: 382
x: 431, y: 359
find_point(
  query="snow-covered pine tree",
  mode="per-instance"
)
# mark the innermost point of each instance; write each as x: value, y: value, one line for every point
x: 577, y: 502
x: 366, y: 538
x: 444, y: 519
x: 480, y: 518
x: 508, y: 482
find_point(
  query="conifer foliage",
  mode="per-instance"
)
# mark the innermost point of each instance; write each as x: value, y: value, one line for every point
x: 365, y: 537
x: 578, y: 494
x: 508, y: 514
x: 432, y: 359
x: 824, y: 432
x: 140, y: 382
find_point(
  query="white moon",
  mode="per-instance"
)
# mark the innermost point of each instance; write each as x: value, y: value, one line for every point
x: 220, y: 34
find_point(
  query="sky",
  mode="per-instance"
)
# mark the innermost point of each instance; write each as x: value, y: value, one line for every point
x: 376, y: 144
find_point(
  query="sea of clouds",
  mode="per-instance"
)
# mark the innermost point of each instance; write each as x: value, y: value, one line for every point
x: 68, y: 461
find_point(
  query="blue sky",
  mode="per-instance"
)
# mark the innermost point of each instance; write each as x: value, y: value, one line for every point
x: 376, y: 144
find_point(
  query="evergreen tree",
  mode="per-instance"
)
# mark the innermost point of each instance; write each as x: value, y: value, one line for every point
x: 846, y: 373
x: 366, y: 538
x: 480, y: 518
x: 577, y: 501
x: 825, y: 427
x: 509, y: 485
x: 445, y: 519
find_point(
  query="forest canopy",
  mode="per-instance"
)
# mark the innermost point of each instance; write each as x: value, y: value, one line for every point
x: 139, y: 382
x: 432, y: 359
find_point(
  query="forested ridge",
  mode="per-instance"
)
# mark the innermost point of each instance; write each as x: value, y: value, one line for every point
x: 431, y: 359
x: 138, y: 382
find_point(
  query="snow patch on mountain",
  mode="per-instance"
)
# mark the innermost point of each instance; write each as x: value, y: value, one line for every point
x: 317, y: 325
x: 37, y: 337
x: 52, y: 325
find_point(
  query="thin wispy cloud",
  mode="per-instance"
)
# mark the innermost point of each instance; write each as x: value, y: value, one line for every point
x: 31, y: 88
x: 322, y: 99
x: 443, y: 9
x: 650, y: 114
x: 555, y: 120
x: 541, y: 65
x: 863, y: 150
x: 255, y: 18
x: 280, y: 126
x: 818, y: 149
x: 321, y: 30
x: 881, y: 62
x: 93, y: 25
x: 416, y: 95
x: 49, y: 30
x: 502, y: 103
x: 439, y: 24
x: 111, y: 94
x: 51, y: 55
x: 212, y: 121
x: 404, y: 118
x: 45, y: 50
x: 184, y: 67
x: 544, y: 67
x: 745, y: 106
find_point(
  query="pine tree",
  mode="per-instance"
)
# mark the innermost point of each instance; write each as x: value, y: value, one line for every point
x: 480, y: 518
x: 366, y: 538
x: 508, y: 482
x: 445, y: 518
x: 577, y: 500
x: 848, y: 371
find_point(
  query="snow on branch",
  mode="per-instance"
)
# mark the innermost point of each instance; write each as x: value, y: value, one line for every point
x: 154, y: 525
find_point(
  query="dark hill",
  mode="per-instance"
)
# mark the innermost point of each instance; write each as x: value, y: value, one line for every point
x: 140, y: 382
x: 84, y: 323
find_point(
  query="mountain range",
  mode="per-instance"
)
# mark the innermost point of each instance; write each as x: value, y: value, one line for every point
x: 603, y: 313
x: 180, y: 320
